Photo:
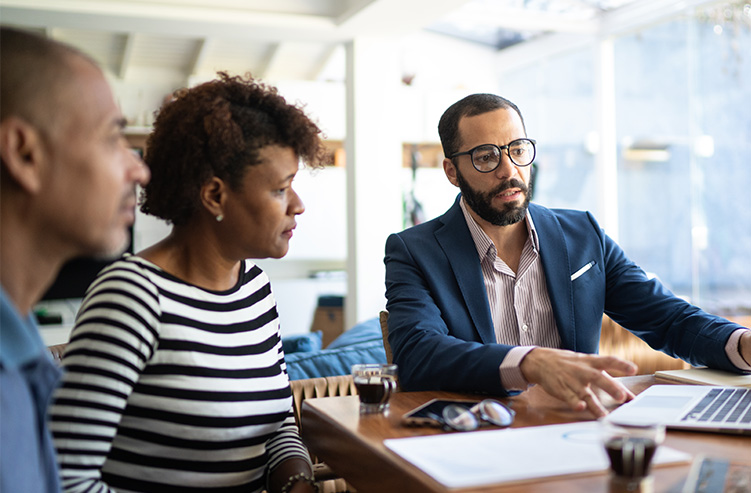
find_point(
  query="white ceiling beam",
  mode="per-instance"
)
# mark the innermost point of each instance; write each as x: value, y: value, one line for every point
x: 203, y: 48
x: 165, y: 20
x: 271, y: 57
x: 127, y: 55
x: 156, y: 10
x: 318, y: 67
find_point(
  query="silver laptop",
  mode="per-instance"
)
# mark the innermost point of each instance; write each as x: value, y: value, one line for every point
x: 690, y: 407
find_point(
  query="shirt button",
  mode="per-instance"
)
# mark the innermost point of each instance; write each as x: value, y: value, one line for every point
x: 525, y: 327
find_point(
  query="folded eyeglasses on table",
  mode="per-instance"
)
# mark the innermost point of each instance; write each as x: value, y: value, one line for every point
x: 463, y: 418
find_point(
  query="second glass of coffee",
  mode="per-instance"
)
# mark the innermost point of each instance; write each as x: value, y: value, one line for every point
x: 631, y: 448
x: 375, y: 382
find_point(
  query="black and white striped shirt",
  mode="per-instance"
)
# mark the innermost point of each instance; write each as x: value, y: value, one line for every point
x: 171, y: 387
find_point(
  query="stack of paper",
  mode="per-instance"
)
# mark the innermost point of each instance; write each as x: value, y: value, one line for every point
x: 706, y: 376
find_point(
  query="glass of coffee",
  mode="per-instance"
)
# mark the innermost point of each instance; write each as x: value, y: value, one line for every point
x: 375, y: 383
x: 631, y: 448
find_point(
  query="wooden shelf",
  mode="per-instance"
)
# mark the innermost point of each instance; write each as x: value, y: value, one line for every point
x: 429, y: 154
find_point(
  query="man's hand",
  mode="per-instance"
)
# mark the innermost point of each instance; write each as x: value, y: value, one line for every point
x: 572, y: 377
x: 744, y: 346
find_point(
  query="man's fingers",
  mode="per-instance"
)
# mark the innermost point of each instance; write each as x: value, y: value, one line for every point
x: 596, y: 408
x: 582, y: 394
x: 592, y: 403
x: 583, y: 398
x: 575, y: 402
x: 615, y: 389
x: 613, y: 365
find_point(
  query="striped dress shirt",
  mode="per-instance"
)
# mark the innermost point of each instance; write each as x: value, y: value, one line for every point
x: 519, y: 302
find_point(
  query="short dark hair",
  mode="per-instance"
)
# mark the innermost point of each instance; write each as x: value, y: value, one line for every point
x: 472, y: 105
x: 217, y: 129
x: 32, y: 71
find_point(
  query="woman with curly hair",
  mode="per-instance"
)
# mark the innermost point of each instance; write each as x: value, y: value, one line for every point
x: 175, y: 374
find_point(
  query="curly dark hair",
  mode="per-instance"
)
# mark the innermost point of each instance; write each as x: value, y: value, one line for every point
x: 217, y: 129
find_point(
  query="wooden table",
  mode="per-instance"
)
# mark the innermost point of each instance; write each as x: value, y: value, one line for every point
x: 352, y: 445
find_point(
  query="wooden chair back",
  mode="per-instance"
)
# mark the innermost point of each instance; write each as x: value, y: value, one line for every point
x: 383, y: 317
x: 619, y: 342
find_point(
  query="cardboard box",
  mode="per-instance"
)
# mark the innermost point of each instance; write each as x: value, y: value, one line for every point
x: 329, y: 318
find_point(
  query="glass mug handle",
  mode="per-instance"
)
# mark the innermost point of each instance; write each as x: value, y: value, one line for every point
x: 389, y: 386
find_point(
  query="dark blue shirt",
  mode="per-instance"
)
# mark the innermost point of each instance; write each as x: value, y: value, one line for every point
x: 28, y: 376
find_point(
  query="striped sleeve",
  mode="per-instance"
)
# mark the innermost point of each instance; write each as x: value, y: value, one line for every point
x: 114, y: 337
x: 286, y: 443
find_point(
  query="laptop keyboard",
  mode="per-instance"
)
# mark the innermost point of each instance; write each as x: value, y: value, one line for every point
x: 732, y: 405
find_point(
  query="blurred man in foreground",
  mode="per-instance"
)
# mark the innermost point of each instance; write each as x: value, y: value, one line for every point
x: 67, y: 188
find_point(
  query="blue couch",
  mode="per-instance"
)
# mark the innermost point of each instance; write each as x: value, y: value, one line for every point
x: 362, y: 343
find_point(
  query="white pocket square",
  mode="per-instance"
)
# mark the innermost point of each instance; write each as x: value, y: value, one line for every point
x: 581, y: 271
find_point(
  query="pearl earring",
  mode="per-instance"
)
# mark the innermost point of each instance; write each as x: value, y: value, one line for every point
x: 219, y: 218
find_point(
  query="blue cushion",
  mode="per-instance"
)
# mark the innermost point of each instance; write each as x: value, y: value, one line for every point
x: 369, y: 330
x: 302, y: 343
x: 332, y: 362
x: 362, y: 343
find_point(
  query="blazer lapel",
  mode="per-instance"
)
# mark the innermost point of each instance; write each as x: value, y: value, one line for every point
x: 456, y: 242
x: 555, y: 263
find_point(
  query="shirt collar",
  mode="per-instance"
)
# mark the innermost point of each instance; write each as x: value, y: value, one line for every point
x: 483, y: 243
x: 20, y: 341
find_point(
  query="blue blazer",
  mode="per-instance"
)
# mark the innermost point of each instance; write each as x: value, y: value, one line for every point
x: 440, y: 327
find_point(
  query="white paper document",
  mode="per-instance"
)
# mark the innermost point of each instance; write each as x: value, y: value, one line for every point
x: 460, y: 460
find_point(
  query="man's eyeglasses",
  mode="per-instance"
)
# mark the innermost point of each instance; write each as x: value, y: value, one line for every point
x: 487, y: 157
x: 461, y: 418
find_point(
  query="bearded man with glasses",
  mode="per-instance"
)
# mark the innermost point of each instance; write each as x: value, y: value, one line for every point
x: 498, y: 294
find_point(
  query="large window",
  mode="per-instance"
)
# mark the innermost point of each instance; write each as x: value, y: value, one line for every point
x: 556, y: 99
x: 682, y: 90
x: 683, y: 93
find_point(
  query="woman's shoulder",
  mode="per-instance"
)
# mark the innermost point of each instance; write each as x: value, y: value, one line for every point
x: 129, y: 270
x: 131, y: 264
x: 253, y: 272
x: 123, y: 287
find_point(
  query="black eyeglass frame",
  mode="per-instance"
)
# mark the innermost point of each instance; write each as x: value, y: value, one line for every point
x: 500, y: 151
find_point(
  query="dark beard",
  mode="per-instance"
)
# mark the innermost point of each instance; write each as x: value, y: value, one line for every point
x: 481, y: 203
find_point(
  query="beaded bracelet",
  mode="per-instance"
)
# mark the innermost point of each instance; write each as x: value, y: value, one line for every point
x: 301, y: 476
